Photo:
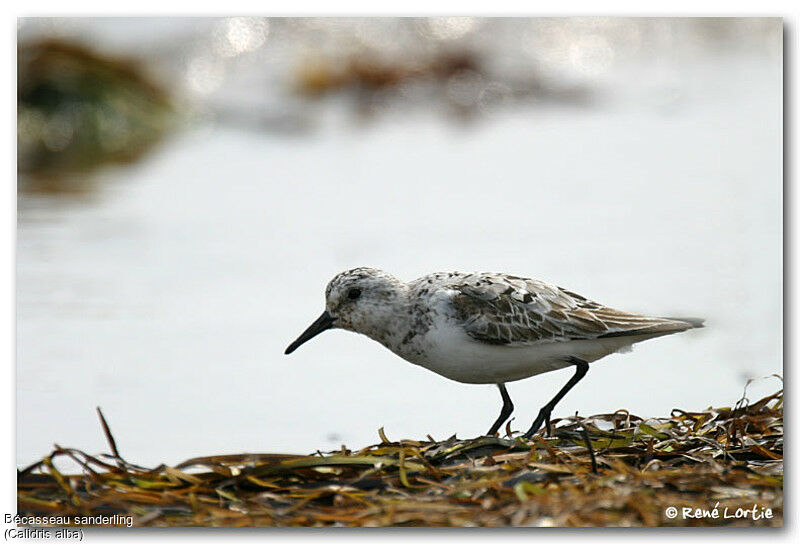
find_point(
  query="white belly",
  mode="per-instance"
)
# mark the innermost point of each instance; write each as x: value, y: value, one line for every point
x: 450, y: 352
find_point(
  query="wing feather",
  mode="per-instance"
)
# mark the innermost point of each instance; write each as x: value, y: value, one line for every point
x: 509, y: 310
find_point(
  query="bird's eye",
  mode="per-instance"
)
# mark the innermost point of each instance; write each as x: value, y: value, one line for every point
x: 354, y: 293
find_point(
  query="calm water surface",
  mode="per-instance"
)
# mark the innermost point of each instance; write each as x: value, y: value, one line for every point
x: 168, y: 294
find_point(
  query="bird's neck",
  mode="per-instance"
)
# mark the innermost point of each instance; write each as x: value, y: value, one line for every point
x: 389, y: 322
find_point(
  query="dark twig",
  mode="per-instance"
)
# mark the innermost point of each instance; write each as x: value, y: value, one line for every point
x: 588, y: 442
x: 110, y: 439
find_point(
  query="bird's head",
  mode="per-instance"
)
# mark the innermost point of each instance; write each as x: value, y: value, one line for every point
x: 361, y: 300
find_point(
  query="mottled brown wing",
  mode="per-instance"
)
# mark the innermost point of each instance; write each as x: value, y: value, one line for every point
x: 508, y: 310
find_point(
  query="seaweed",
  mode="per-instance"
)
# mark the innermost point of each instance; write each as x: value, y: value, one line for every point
x: 605, y: 470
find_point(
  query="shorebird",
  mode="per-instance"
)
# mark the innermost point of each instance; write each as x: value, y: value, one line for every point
x: 486, y: 328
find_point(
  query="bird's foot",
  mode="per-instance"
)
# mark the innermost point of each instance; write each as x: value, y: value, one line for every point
x: 543, y: 417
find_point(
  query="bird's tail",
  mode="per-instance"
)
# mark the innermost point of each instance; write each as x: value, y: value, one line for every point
x: 695, y: 322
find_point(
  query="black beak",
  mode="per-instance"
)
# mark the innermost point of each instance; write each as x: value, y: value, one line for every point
x: 322, y: 324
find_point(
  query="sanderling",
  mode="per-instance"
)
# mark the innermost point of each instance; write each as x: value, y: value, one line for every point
x: 484, y: 327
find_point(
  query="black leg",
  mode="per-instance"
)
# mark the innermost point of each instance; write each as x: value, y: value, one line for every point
x: 505, y: 411
x: 544, y: 414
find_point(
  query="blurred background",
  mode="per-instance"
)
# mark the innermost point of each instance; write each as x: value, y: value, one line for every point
x: 188, y: 186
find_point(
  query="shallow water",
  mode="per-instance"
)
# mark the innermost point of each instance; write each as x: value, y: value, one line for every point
x: 168, y: 295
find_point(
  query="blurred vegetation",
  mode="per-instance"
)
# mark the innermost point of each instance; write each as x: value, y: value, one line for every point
x: 78, y: 110
x: 458, y: 80
x: 731, y: 458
